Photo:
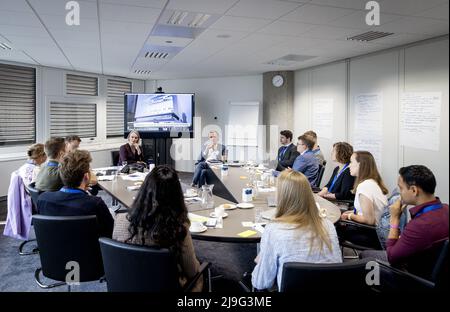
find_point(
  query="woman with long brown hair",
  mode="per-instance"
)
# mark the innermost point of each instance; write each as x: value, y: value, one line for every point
x: 298, y: 232
x: 369, y: 189
x: 159, y: 217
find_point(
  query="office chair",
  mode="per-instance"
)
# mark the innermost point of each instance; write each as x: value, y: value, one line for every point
x: 132, y: 268
x: 34, y: 194
x: 66, y: 243
x: 320, y: 175
x: 115, y: 157
x: 306, y: 277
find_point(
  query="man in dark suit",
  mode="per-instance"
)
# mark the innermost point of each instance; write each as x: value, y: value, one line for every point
x: 287, y: 153
x: 72, y: 199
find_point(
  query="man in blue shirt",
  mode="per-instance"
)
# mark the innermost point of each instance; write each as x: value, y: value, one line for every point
x: 306, y: 163
x: 72, y: 199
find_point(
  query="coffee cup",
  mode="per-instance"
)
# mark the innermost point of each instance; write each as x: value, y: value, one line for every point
x: 191, y: 192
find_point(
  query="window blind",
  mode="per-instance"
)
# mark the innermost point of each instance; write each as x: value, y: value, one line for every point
x: 73, y: 119
x: 17, y: 105
x: 81, y: 85
x: 115, y: 106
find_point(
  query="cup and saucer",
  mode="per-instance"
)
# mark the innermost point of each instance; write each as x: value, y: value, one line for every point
x: 197, y: 227
x: 214, y: 215
x: 190, y: 193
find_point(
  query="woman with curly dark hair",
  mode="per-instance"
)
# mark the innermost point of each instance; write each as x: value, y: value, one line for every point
x: 158, y: 216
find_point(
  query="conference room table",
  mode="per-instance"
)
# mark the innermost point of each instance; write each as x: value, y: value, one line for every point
x: 233, y: 230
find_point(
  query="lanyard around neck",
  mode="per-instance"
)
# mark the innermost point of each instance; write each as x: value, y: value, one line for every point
x: 428, y: 209
x: 336, y: 177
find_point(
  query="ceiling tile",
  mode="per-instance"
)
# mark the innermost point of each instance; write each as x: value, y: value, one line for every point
x: 417, y: 25
x: 316, y: 14
x: 328, y: 32
x: 159, y: 4
x: 133, y: 14
x: 262, y: 8
x: 240, y: 23
x: 346, y: 4
x: 408, y: 7
x: 357, y: 20
x: 16, y: 56
x: 19, y: 19
x: 439, y: 12
x: 287, y: 28
x: 14, y: 5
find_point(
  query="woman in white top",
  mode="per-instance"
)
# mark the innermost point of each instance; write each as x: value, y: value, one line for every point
x: 370, y: 191
x: 370, y: 199
x: 297, y: 234
x: 36, y: 157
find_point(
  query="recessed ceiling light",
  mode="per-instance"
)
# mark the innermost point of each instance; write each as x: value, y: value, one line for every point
x: 199, y: 20
x: 5, y: 46
x: 177, y: 18
x: 169, y: 41
x: 224, y: 36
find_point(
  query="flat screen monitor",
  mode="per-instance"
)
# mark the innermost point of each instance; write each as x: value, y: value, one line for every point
x: 160, y: 115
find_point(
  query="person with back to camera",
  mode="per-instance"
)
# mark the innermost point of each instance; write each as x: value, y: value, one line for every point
x: 36, y: 157
x: 297, y: 234
x: 48, y: 179
x: 131, y: 152
x: 159, y: 217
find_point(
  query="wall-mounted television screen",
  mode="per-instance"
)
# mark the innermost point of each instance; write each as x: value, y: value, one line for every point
x: 160, y: 114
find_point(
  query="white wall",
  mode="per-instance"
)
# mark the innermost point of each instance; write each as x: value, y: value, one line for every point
x: 212, y: 99
x: 421, y: 67
x: 50, y: 87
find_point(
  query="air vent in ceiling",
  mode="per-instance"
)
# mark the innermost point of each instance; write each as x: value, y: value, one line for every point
x: 156, y: 55
x: 5, y: 46
x: 290, y: 59
x: 369, y: 36
x: 142, y: 72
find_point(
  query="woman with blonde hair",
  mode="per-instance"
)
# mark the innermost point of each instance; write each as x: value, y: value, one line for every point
x: 36, y: 157
x: 131, y: 152
x: 297, y: 234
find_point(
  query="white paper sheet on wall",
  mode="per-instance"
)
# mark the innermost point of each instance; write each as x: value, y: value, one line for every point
x: 323, y: 117
x: 420, y: 119
x: 369, y: 124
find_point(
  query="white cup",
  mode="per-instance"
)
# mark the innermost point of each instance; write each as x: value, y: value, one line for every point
x: 219, y: 211
x: 190, y: 192
x: 196, y: 226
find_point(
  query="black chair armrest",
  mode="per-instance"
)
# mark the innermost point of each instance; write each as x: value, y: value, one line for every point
x: 191, y: 282
x: 358, y: 225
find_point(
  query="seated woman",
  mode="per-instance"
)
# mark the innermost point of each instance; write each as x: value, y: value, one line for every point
x: 36, y: 157
x: 297, y: 234
x: 370, y: 197
x: 341, y: 182
x: 159, y: 216
x: 131, y: 152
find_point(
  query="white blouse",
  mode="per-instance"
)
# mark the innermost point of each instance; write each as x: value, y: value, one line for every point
x: 373, y: 192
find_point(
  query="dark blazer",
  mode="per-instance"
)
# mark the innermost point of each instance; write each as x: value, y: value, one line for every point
x: 77, y: 204
x: 126, y: 154
x: 288, y: 157
x: 343, y: 186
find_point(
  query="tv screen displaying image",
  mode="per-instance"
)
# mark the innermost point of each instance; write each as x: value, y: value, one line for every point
x: 159, y: 114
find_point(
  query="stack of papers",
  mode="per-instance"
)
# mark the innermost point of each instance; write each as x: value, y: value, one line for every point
x: 137, y: 176
x: 105, y: 178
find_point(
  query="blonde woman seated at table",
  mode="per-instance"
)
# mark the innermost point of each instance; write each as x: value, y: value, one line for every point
x: 370, y: 197
x: 159, y: 216
x: 297, y: 234
x: 36, y: 157
x: 131, y: 152
x: 341, y: 182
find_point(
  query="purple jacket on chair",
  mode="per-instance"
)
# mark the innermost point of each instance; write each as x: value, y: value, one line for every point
x: 18, y: 220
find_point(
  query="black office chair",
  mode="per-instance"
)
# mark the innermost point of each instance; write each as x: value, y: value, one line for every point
x: 306, y: 277
x: 63, y: 240
x: 393, y: 280
x: 368, y: 232
x: 132, y: 268
x: 34, y: 194
x: 320, y: 175
x: 439, y: 275
x: 115, y: 157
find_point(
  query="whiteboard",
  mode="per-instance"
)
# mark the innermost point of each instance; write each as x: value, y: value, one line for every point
x: 242, y: 126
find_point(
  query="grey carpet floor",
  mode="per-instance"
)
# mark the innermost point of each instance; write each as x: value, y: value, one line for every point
x: 229, y: 261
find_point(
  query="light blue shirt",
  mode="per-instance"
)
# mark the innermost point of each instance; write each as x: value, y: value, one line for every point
x: 308, y: 164
x: 282, y: 242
